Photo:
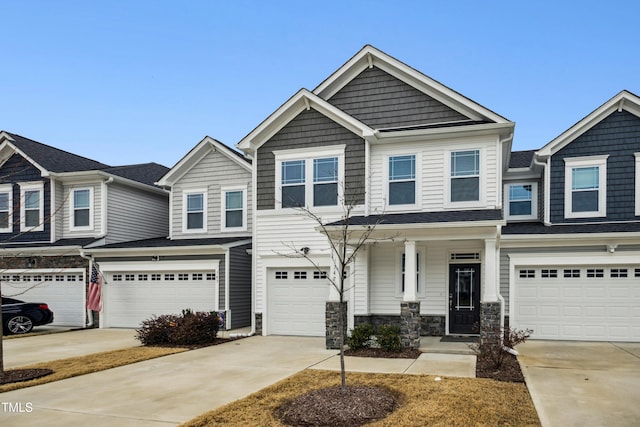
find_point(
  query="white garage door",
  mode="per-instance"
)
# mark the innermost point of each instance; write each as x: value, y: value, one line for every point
x: 134, y: 296
x: 591, y: 303
x: 62, y: 290
x: 297, y: 300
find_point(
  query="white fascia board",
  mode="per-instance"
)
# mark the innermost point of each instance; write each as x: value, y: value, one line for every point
x: 41, y: 251
x: 444, y: 132
x: 586, y: 258
x: 302, y: 100
x: 165, y: 250
x: 623, y: 101
x: 86, y: 176
x: 568, y: 239
x: 518, y: 174
x: 369, y: 56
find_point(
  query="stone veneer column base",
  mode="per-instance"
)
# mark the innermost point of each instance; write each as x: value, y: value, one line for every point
x: 489, y: 318
x: 332, y: 323
x: 410, y: 324
x: 258, y: 320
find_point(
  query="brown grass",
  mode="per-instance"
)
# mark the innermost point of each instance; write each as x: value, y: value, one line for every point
x: 424, y: 401
x: 81, y: 365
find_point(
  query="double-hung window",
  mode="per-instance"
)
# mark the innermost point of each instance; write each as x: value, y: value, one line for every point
x: 81, y: 217
x: 402, y: 180
x: 293, y: 183
x: 195, y: 209
x: 465, y: 176
x: 585, y: 187
x: 325, y: 181
x: 6, y: 208
x: 522, y: 200
x: 31, y: 207
x: 234, y: 211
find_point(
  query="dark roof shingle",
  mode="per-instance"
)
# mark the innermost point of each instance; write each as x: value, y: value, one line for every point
x: 426, y: 217
x: 521, y: 159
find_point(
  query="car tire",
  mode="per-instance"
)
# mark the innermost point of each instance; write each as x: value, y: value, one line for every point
x: 19, y: 324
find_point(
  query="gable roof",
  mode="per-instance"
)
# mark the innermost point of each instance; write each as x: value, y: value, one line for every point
x: 624, y: 100
x: 201, y: 149
x: 369, y: 57
x: 302, y: 100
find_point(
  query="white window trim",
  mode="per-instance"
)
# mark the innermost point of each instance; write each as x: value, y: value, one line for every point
x: 8, y: 188
x: 481, y: 202
x: 186, y: 193
x: 534, y: 201
x: 31, y: 186
x: 573, y: 162
x: 308, y: 155
x: 72, y: 208
x: 223, y: 211
x: 637, y: 155
x: 422, y: 287
x: 418, y: 180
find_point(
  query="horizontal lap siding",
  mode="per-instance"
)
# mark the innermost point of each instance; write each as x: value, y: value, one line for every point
x: 134, y: 214
x: 618, y: 135
x: 380, y: 100
x: 240, y: 286
x: 212, y: 172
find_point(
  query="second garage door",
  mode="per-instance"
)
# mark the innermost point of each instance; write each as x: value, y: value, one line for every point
x: 296, y: 299
x: 591, y: 303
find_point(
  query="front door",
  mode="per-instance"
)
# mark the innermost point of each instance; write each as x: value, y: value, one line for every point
x: 464, y: 298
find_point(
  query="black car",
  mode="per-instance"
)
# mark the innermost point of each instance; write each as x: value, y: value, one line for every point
x: 19, y: 317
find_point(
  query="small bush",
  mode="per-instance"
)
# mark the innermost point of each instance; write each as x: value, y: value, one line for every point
x: 189, y: 328
x: 492, y: 349
x: 388, y: 337
x: 360, y: 336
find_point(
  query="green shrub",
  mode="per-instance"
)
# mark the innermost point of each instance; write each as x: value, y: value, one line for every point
x: 388, y: 338
x: 360, y: 336
x: 189, y: 328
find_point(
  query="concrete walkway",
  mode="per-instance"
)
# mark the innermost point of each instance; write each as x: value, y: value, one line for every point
x: 582, y: 383
x: 176, y: 388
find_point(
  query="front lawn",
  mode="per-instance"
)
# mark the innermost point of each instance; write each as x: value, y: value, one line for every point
x: 423, y: 402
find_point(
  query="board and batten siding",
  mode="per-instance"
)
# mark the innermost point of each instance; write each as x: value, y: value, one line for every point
x: 308, y: 130
x: 134, y: 214
x: 618, y: 136
x: 432, y: 171
x: 380, y: 100
x: 240, y: 286
x: 67, y: 210
x: 213, y: 172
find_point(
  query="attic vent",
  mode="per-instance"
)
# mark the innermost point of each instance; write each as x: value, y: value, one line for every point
x: 465, y: 256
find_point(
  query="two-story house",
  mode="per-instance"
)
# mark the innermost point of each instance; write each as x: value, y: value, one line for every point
x: 570, y: 253
x: 394, y: 143
x: 204, y: 263
x: 54, y: 203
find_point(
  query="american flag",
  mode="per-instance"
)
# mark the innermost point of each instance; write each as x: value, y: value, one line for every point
x: 94, y: 297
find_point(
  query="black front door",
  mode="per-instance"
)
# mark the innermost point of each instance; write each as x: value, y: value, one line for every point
x: 464, y: 298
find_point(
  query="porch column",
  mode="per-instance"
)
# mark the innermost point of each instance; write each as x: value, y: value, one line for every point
x: 334, y: 274
x: 335, y: 312
x: 490, y: 288
x: 410, y: 272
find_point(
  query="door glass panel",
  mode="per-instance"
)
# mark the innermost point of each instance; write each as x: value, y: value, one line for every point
x: 464, y: 288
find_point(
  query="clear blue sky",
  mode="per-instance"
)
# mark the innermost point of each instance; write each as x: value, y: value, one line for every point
x: 136, y: 81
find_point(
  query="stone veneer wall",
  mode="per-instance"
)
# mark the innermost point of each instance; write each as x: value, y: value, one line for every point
x: 410, y: 326
x: 258, y: 323
x: 430, y: 326
x: 332, y: 322
x: 489, y: 317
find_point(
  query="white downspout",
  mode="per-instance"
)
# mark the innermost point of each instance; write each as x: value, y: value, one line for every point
x: 104, y: 202
x: 547, y: 196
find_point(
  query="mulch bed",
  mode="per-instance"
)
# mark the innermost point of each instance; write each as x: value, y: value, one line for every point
x: 333, y: 406
x: 17, y: 375
x: 406, y: 353
x: 509, y: 371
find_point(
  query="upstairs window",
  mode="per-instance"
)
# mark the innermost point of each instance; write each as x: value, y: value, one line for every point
x: 6, y: 208
x: 81, y: 217
x: 293, y: 183
x: 325, y: 181
x: 465, y: 176
x: 31, y: 207
x: 402, y: 180
x: 522, y: 200
x: 234, y: 201
x: 195, y: 203
x: 585, y: 187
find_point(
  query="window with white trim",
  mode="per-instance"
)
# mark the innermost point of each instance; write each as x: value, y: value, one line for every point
x: 637, y: 155
x: 465, y: 176
x: 195, y: 211
x: 585, y: 187
x: 32, y: 206
x: 522, y: 200
x: 325, y: 181
x: 82, y: 216
x: 402, y: 180
x: 234, y: 209
x: 6, y: 208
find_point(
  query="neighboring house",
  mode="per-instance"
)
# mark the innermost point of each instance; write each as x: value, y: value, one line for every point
x: 395, y: 143
x: 53, y: 204
x: 570, y: 254
x: 204, y: 264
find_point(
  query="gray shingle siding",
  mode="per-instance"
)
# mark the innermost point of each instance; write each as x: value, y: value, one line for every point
x: 380, y: 100
x: 240, y: 286
x: 310, y: 129
x: 618, y: 135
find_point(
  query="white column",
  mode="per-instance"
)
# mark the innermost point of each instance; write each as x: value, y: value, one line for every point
x: 490, y: 285
x: 410, y: 272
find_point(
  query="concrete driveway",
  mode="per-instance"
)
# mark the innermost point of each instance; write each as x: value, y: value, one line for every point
x: 583, y: 383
